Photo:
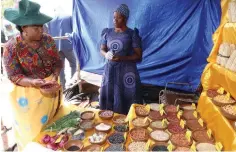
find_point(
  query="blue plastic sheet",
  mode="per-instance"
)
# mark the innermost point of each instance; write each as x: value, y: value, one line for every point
x: 176, y: 36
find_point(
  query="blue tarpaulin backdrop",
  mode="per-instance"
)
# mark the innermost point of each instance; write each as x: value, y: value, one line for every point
x: 176, y: 36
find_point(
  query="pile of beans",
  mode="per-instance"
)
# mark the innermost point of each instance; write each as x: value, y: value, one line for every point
x: 160, y: 135
x: 87, y: 115
x: 180, y: 140
x: 171, y: 109
x: 140, y: 122
x: 156, y: 115
x: 194, y: 125
x: 201, y: 136
x: 116, y: 138
x: 159, y: 148
x: 140, y: 134
x: 205, y: 147
x: 155, y: 106
x: 172, y: 117
x: 222, y: 99
x: 212, y: 93
x: 137, y: 146
x: 121, y: 128
x: 116, y: 147
x: 188, y: 115
x: 106, y: 113
x: 120, y: 120
x: 182, y: 149
x: 86, y: 124
x: 230, y: 109
x: 141, y: 110
x: 103, y: 127
x: 158, y: 124
x: 175, y: 128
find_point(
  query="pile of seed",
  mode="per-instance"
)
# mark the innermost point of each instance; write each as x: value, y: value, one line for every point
x: 116, y: 138
x: 137, y: 146
x: 117, y: 147
x: 121, y: 128
x: 159, y: 148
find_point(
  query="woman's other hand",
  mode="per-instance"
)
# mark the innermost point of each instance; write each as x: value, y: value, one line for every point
x: 109, y: 55
x: 38, y: 82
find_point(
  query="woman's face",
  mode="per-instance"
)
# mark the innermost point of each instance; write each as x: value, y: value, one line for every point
x: 33, y: 32
x: 119, y: 20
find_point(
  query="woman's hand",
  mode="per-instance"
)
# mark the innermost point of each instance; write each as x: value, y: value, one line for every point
x: 116, y: 58
x: 37, y: 82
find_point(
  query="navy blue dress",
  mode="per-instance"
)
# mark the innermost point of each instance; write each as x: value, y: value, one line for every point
x: 121, y: 84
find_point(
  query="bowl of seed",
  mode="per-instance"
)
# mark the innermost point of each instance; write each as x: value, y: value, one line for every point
x: 141, y: 122
x: 159, y: 136
x: 139, y: 134
x: 121, y: 128
x: 98, y: 138
x: 158, y: 125
x: 116, y: 147
x: 120, y: 119
x: 87, y: 125
x: 159, y: 147
x: 103, y: 127
x: 141, y: 111
x: 106, y: 114
x: 116, y: 138
x: 87, y: 115
x: 137, y: 146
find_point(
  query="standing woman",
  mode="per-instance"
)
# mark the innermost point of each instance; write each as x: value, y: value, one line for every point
x: 31, y: 61
x: 121, y: 46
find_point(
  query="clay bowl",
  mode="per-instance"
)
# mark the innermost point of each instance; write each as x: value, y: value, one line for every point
x: 100, y: 114
x: 159, y: 140
x: 85, y: 117
x: 105, y: 130
x: 145, y: 125
x: 170, y: 109
x: 82, y: 126
x: 158, y: 144
x: 102, y: 141
x: 120, y: 119
x: 135, y: 130
x: 160, y: 127
x: 92, y: 147
x: 179, y: 140
x: 201, y: 136
x: 138, y: 113
x: 227, y: 115
x: 76, y: 143
x: 120, y: 134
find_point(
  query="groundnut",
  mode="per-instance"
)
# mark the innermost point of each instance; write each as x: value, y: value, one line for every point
x: 180, y: 140
x: 230, y: 109
x: 140, y: 110
x: 222, y: 99
x: 138, y: 134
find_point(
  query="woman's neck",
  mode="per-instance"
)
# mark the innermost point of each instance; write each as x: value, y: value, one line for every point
x: 121, y: 29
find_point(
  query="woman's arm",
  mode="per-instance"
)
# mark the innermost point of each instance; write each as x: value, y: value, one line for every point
x: 137, y: 56
x: 14, y: 71
x: 57, y: 63
x: 103, y: 50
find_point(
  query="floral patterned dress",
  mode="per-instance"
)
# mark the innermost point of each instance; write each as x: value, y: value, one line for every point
x: 31, y: 109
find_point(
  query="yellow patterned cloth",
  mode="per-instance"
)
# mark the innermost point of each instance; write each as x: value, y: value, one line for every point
x: 31, y: 111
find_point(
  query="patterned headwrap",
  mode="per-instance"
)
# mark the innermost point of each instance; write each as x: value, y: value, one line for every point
x: 124, y: 10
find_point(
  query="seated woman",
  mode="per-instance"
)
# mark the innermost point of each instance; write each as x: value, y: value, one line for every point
x: 31, y: 61
x: 121, y: 46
